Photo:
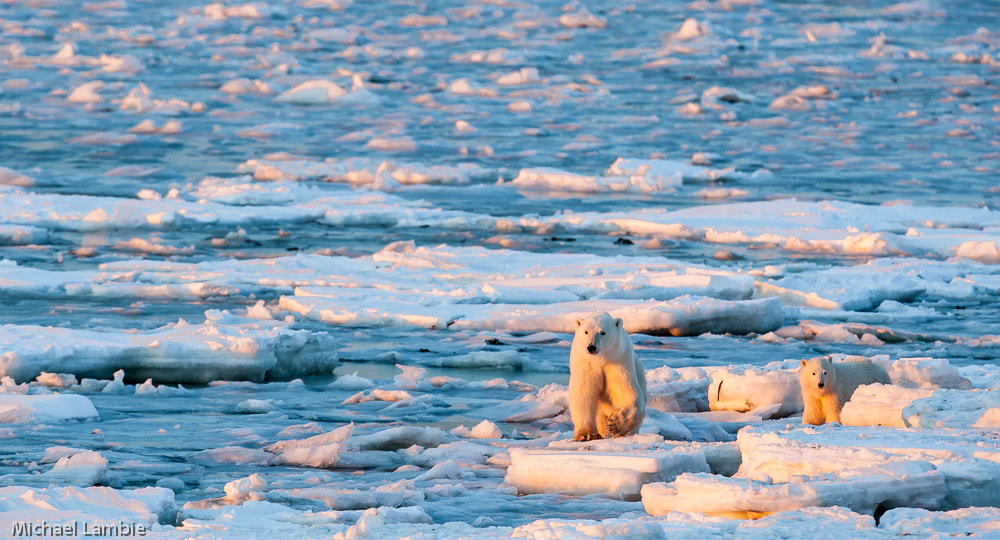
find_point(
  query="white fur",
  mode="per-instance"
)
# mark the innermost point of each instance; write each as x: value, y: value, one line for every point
x: 827, y: 385
x: 607, y: 384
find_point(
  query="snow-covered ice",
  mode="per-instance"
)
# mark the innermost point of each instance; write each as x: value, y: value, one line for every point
x: 310, y: 268
x: 614, y: 468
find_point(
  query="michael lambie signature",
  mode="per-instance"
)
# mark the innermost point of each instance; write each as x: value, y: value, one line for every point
x: 44, y: 529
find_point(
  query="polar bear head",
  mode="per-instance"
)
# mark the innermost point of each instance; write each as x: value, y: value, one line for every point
x: 817, y: 373
x: 598, y: 333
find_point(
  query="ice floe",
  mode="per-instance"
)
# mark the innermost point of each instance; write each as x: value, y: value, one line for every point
x: 308, y: 268
x: 225, y: 347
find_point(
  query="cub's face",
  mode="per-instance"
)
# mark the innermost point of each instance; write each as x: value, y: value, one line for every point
x: 815, y: 372
x: 597, y: 333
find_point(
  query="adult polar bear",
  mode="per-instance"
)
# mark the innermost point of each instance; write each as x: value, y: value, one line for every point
x: 607, y: 384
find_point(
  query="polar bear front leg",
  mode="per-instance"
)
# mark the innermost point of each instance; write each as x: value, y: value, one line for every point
x: 831, y: 408
x: 585, y: 389
x: 813, y: 411
x: 623, y: 394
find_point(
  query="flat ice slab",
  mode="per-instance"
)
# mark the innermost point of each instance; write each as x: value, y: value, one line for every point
x: 143, y: 506
x: 616, y: 468
x: 224, y: 347
x: 968, y: 459
x: 896, y: 406
x: 42, y: 408
x: 911, y: 484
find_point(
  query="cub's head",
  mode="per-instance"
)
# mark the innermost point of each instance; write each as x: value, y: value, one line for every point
x: 816, y: 372
x: 598, y: 332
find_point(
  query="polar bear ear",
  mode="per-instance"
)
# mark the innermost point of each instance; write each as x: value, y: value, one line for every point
x: 579, y: 321
x: 803, y: 362
x: 619, y: 322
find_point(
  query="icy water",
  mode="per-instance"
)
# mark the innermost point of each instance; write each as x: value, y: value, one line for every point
x: 161, y: 160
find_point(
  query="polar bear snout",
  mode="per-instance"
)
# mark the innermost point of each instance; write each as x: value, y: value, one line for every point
x: 592, y: 348
x: 821, y: 384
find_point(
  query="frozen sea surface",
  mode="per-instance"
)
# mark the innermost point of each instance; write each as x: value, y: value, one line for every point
x: 310, y: 268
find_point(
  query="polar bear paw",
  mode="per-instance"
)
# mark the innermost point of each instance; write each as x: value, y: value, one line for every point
x: 586, y: 436
x: 618, y: 425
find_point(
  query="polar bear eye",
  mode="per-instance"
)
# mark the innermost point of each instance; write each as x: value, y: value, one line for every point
x: 824, y: 372
x: 602, y: 333
x: 586, y: 332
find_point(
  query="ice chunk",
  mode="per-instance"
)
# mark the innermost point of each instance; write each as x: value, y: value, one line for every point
x: 906, y: 484
x: 582, y: 19
x: 351, y: 381
x: 972, y: 522
x: 321, y: 450
x: 665, y: 425
x: 896, y: 406
x: 337, y: 449
x: 314, y: 92
x: 859, y: 288
x: 746, y: 388
x: 56, y: 380
x: 485, y: 430
x: 242, y: 489
x: 144, y: 507
x: 968, y: 460
x: 374, y: 520
x: 339, y: 498
x: 45, y: 408
x: 616, y: 468
x: 677, y: 390
x: 690, y: 29
x: 984, y: 251
x: 84, y: 468
x: 223, y: 347
x: 86, y: 93
x: 525, y: 75
x: 401, y: 437
x: 232, y: 455
x: 631, y: 175
x: 555, y: 179
x: 389, y: 144
x: 256, y: 406
x: 922, y: 372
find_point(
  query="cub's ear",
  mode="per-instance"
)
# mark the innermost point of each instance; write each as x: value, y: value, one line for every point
x: 579, y: 321
x: 803, y: 362
x: 619, y: 322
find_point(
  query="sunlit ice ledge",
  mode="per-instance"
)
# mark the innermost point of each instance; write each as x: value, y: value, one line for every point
x: 224, y: 347
x: 683, y: 316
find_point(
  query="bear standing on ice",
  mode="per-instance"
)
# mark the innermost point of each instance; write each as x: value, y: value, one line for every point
x: 827, y: 385
x: 607, y: 384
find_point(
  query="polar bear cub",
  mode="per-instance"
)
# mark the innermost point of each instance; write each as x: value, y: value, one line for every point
x: 827, y: 385
x: 607, y: 384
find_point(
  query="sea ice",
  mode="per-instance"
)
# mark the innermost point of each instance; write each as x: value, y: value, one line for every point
x: 912, y: 484
x: 225, y: 347
x: 615, y: 468
x: 967, y: 459
x: 329, y: 184
x: 45, y: 408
